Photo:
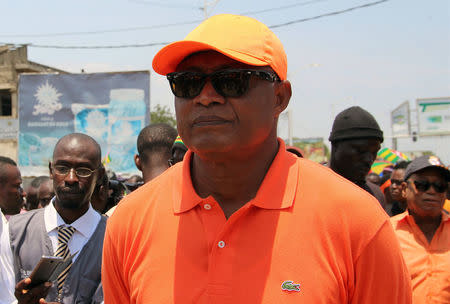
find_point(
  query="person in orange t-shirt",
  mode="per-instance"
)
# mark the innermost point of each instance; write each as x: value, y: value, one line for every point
x: 424, y: 230
x: 240, y: 219
x: 447, y: 201
x: 447, y: 205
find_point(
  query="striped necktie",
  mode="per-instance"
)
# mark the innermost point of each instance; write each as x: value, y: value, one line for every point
x: 64, y: 235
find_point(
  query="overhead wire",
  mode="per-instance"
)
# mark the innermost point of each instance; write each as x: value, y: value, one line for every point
x: 140, y: 28
x: 170, y: 5
x: 96, y: 46
x: 328, y: 14
x: 129, y: 29
x: 334, y: 13
x: 282, y: 7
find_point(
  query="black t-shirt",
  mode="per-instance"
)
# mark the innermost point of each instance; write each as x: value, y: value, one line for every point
x: 375, y: 191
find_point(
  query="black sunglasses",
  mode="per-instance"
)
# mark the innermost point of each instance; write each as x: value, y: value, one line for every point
x: 424, y: 185
x: 228, y: 83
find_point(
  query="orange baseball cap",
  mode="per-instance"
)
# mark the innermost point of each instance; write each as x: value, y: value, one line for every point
x: 241, y: 38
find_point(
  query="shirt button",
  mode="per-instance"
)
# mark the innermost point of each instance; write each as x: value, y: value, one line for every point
x: 207, y: 206
x: 221, y: 244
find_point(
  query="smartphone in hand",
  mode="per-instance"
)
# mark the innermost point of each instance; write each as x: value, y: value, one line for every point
x: 44, y: 270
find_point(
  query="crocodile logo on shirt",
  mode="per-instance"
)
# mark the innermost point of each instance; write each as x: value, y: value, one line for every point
x: 290, y: 286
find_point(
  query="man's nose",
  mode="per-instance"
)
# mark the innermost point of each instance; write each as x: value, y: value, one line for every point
x: 432, y: 189
x: 71, y: 177
x: 208, y: 95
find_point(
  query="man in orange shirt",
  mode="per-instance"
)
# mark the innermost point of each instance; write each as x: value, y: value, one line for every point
x: 398, y: 202
x: 240, y: 219
x: 424, y: 230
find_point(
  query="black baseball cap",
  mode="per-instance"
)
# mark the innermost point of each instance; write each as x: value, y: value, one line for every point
x: 426, y: 161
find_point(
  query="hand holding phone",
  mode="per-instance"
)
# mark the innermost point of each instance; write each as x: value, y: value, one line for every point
x: 36, y: 287
x: 44, y: 270
x: 28, y: 295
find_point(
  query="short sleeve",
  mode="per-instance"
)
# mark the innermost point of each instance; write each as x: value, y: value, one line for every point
x: 381, y: 275
x: 114, y: 284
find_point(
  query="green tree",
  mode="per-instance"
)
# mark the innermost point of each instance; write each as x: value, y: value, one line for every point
x: 162, y: 114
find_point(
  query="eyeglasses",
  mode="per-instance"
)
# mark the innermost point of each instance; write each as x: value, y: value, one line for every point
x: 80, y: 171
x: 397, y: 182
x: 228, y: 83
x: 424, y: 185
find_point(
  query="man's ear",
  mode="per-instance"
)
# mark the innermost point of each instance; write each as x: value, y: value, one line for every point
x: 137, y: 161
x: 50, y: 169
x: 100, y: 174
x: 404, y: 186
x: 283, y: 93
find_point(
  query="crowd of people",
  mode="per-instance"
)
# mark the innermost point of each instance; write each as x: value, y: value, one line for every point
x: 224, y: 212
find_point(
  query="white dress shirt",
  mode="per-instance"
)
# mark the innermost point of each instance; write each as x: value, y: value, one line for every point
x: 85, y: 227
x: 7, y: 279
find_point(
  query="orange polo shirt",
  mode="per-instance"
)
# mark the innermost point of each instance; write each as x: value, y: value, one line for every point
x: 428, y: 263
x: 309, y: 236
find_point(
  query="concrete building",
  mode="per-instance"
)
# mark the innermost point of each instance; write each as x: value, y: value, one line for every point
x: 13, y: 62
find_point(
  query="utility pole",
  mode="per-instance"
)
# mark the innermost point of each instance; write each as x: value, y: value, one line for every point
x: 207, y: 4
x: 289, y: 112
x: 394, y: 143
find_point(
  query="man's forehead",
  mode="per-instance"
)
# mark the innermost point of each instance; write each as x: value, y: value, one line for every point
x: 68, y: 153
x: 212, y: 61
x: 71, y: 141
x: 74, y: 145
x: 13, y: 171
x: 73, y: 151
x: 362, y: 142
x: 398, y: 172
x: 47, y: 186
x: 32, y: 190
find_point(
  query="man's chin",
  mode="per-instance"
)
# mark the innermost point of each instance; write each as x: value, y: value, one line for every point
x: 68, y: 204
x: 396, y: 197
x: 70, y: 201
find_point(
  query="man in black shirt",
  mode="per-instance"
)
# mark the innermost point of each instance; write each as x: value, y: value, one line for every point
x: 355, y: 140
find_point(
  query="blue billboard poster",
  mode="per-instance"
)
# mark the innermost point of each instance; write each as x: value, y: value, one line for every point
x: 110, y: 107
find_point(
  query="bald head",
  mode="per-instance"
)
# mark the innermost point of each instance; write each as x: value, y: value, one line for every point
x: 76, y: 141
x: 75, y: 169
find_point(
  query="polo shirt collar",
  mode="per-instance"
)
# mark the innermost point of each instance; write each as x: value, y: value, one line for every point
x: 279, y: 186
x: 184, y: 195
x: 277, y: 191
x: 405, y: 215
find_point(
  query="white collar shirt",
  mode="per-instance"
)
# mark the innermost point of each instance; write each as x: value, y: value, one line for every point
x: 7, y: 279
x: 85, y: 227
